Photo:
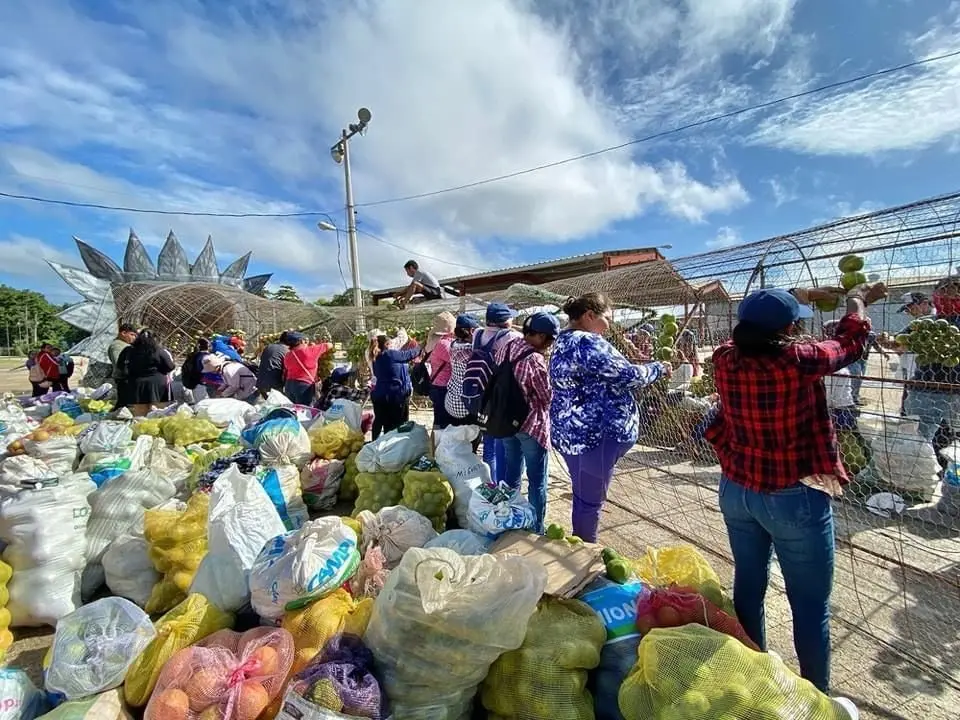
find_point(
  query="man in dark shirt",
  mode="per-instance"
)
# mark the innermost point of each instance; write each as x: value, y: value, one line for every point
x: 270, y: 375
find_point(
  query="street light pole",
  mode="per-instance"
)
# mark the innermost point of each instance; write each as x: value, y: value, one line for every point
x: 352, y: 234
x: 341, y: 154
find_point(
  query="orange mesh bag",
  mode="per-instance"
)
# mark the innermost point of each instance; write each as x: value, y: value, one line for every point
x: 695, y: 672
x: 227, y: 676
x: 672, y: 607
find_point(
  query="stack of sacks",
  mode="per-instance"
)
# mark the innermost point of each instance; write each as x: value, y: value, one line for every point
x: 45, y: 532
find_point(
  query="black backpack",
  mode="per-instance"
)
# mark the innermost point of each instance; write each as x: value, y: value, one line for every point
x: 190, y: 371
x: 504, y: 405
x: 420, y: 377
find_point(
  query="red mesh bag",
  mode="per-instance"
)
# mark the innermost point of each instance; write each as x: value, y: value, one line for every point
x: 227, y: 676
x: 676, y: 606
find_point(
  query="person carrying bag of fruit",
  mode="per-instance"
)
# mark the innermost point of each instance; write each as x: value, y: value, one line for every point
x: 779, y: 458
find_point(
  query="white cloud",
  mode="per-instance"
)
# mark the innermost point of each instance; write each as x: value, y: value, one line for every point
x: 25, y: 265
x: 783, y: 190
x: 268, y: 90
x: 726, y: 237
x: 902, y: 112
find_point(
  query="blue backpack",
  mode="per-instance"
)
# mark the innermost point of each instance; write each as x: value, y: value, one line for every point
x: 480, y: 368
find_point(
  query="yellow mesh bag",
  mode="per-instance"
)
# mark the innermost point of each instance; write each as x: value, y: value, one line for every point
x: 314, y: 625
x: 177, y: 543
x: 695, y: 672
x: 6, y: 637
x: 188, y: 623
x: 684, y: 566
x: 547, y: 676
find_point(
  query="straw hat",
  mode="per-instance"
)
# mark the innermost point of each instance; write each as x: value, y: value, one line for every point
x: 443, y: 326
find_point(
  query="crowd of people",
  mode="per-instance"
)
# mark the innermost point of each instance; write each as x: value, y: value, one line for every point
x: 780, y: 396
x: 49, y: 370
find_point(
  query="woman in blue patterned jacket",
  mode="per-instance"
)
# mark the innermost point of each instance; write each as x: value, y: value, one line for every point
x: 593, y: 415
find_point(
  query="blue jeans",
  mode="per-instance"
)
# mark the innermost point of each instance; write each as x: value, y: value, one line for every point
x: 520, y: 450
x: 301, y: 393
x: 933, y: 408
x: 494, y: 456
x: 798, y: 523
x: 857, y: 370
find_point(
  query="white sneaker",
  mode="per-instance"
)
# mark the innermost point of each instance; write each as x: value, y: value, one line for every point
x: 848, y: 706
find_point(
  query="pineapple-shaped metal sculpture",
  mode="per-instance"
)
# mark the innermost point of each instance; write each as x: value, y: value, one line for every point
x: 177, y: 299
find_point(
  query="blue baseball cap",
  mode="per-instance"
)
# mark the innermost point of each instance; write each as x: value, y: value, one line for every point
x: 542, y: 322
x: 467, y: 322
x: 499, y: 313
x: 771, y: 309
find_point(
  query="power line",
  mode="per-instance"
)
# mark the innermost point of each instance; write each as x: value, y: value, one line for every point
x: 666, y: 133
x: 498, y: 178
x: 418, y: 254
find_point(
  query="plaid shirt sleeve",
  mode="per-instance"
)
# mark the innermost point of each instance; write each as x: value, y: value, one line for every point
x: 846, y: 347
x: 534, y: 379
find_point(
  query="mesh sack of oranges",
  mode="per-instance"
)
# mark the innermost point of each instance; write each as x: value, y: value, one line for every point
x: 547, y: 676
x: 695, y: 672
x: 227, y: 676
x: 675, y: 606
x: 339, y: 680
x: 682, y: 565
x: 189, y: 622
x: 177, y: 543
x: 6, y: 637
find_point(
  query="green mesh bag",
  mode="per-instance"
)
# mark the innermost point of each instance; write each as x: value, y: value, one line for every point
x: 546, y: 678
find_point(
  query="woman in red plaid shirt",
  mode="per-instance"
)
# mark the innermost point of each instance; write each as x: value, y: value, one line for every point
x: 780, y: 462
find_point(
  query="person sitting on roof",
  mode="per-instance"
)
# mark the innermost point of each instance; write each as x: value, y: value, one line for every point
x: 422, y: 283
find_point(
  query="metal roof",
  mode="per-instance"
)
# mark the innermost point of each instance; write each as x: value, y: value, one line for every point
x: 586, y: 262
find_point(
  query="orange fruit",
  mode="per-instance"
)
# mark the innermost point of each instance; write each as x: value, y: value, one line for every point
x: 171, y: 704
x: 205, y: 686
x: 268, y: 662
x: 251, y: 701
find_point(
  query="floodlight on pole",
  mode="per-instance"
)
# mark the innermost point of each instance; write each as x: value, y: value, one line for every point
x: 340, y: 152
x: 328, y: 226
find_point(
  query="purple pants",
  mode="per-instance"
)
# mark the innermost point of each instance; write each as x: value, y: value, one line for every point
x: 590, y: 473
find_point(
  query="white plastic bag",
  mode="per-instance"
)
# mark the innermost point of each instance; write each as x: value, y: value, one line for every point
x: 347, y: 410
x: 19, y: 469
x: 241, y: 520
x: 282, y: 484
x: 46, y: 534
x: 320, y: 483
x: 106, y: 436
x: 94, y: 647
x: 463, y: 542
x: 393, y: 451
x: 901, y: 457
x: 461, y: 466
x: 225, y: 412
x: 105, y: 466
x: 128, y: 570
x: 59, y: 453
x: 115, y: 509
x: 487, y: 518
x: 19, y: 697
x: 440, y: 622
x: 172, y: 464
x: 295, y: 569
x: 280, y: 440
x: 394, y: 530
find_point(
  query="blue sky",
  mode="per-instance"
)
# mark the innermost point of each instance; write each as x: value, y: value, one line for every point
x: 232, y: 107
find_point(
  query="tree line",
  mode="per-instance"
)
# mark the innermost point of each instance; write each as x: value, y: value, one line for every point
x: 28, y: 319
